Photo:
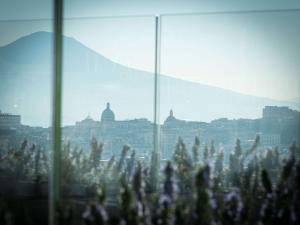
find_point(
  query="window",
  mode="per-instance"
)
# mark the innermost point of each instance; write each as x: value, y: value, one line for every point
x: 138, y: 91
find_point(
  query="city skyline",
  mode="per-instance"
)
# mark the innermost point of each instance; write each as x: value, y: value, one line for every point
x: 108, y: 109
x: 149, y: 112
x: 91, y: 79
x: 277, y: 126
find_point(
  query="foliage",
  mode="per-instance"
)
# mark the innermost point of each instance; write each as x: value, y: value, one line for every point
x: 253, y: 188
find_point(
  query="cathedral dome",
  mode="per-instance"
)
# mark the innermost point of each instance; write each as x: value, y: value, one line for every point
x: 107, y: 115
x: 171, y: 118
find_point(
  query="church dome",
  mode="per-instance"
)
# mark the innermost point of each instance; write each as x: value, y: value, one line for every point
x: 107, y: 115
x: 171, y: 118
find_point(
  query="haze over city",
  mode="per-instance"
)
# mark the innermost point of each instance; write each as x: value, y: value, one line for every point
x: 254, y: 54
x: 94, y: 79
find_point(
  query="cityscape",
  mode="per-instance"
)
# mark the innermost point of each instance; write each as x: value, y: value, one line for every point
x: 149, y: 112
x: 278, y: 126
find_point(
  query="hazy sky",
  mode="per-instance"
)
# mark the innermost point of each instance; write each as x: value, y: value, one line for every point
x: 255, y: 54
x: 18, y: 9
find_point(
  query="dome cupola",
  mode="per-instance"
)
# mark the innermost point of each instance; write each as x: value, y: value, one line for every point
x: 107, y: 115
x: 171, y: 117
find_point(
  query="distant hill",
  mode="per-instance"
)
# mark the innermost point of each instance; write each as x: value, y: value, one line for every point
x: 91, y: 80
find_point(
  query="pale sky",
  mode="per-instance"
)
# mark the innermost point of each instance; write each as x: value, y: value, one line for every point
x: 256, y: 54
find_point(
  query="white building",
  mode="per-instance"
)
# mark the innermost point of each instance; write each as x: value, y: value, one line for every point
x: 8, y: 121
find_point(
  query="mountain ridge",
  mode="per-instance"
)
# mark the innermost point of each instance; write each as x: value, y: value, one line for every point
x: 91, y: 80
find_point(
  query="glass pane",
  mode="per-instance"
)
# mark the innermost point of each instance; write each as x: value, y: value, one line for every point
x: 25, y: 120
x: 230, y: 76
x: 108, y: 92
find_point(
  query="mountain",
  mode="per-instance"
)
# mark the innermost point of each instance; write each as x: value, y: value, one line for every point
x: 90, y: 80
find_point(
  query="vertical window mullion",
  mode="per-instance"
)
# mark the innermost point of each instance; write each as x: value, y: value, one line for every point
x: 156, y: 83
x: 55, y: 177
x: 156, y: 132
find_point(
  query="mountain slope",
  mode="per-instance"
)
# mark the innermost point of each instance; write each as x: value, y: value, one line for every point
x: 91, y: 80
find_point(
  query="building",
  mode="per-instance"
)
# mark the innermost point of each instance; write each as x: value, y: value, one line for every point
x: 173, y: 128
x: 9, y: 121
x: 114, y: 134
x: 279, y: 113
x: 270, y: 139
x: 107, y: 115
x: 279, y: 126
x: 9, y: 124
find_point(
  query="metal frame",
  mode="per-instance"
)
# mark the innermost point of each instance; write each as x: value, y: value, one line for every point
x: 55, y: 179
x: 165, y: 14
x: 156, y: 125
x: 156, y: 82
